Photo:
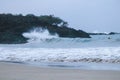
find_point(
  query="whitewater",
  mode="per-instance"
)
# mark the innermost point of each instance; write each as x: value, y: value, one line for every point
x: 44, y: 47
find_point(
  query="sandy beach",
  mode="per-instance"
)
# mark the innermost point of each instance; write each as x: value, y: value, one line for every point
x: 13, y: 71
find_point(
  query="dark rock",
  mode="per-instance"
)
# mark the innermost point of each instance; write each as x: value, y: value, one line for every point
x: 112, y: 33
x: 13, y: 26
x: 97, y: 33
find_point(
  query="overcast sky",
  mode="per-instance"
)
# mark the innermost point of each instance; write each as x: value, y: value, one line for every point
x: 88, y: 15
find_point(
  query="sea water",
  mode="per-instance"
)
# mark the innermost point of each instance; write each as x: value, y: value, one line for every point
x: 45, y: 48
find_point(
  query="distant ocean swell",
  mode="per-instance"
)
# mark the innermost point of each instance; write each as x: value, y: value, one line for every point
x: 98, y: 55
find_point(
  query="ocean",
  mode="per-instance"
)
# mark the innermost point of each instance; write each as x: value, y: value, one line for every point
x: 45, y: 48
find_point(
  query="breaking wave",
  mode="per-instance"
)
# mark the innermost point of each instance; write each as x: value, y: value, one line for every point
x: 38, y: 37
x: 101, y: 54
x: 38, y: 34
x: 44, y: 47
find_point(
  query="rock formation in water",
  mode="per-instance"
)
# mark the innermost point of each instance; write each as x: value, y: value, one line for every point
x: 13, y: 26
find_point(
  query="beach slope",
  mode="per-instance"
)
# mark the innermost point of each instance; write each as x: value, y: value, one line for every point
x: 12, y: 71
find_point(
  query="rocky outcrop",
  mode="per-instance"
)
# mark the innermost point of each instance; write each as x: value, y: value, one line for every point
x: 13, y: 26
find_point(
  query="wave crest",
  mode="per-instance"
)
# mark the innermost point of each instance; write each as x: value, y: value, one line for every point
x: 38, y: 34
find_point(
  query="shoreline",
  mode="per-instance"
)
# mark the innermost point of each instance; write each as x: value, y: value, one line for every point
x: 71, y: 65
x: 14, y: 71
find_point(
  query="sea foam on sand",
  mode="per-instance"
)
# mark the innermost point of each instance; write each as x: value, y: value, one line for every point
x: 99, y: 54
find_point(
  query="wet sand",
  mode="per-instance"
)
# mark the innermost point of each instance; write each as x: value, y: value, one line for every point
x: 13, y: 71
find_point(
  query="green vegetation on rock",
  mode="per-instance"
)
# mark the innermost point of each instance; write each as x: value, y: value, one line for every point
x: 13, y: 26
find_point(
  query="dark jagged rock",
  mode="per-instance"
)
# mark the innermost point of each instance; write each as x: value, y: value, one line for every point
x: 97, y: 33
x: 68, y: 32
x: 112, y: 33
x: 13, y: 26
x: 11, y: 38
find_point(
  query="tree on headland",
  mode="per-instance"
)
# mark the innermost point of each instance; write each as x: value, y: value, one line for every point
x: 12, y: 27
x: 51, y: 20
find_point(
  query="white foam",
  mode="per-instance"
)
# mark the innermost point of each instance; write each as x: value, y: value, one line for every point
x: 100, y: 54
x: 38, y: 34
